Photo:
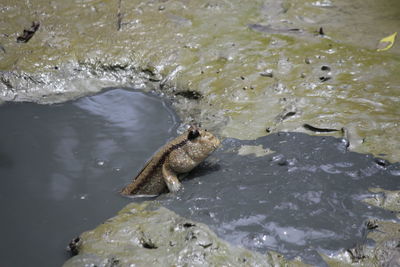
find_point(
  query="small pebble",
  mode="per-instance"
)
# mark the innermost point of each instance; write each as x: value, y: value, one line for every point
x: 267, y: 73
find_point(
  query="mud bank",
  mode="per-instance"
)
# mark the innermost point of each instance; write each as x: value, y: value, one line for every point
x: 147, y: 234
x: 265, y: 64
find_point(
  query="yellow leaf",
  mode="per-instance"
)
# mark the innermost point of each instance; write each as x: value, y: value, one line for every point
x: 387, y: 42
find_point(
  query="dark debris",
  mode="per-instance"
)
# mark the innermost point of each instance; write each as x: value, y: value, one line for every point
x: 28, y: 33
x: 325, y: 68
x: 188, y: 225
x: 148, y: 243
x: 324, y: 78
x: 189, y: 94
x: 74, y: 245
x: 318, y: 130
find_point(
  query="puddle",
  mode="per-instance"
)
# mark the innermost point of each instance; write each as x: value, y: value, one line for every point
x: 61, y: 167
x: 303, y: 199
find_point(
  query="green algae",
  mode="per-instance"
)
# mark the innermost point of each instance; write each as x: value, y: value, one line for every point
x: 146, y: 233
x: 208, y: 46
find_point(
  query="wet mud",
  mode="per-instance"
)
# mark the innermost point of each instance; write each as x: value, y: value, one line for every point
x: 224, y: 63
x: 243, y: 70
x: 62, y: 167
x: 146, y: 234
x: 303, y: 199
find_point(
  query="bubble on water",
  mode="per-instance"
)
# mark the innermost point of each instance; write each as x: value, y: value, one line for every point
x: 100, y: 163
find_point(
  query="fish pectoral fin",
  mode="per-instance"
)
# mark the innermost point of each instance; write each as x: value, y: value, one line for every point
x: 171, y: 179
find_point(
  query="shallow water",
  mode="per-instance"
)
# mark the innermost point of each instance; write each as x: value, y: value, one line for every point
x: 62, y: 166
x: 304, y: 198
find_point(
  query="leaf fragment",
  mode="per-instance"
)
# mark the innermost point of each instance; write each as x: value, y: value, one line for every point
x: 387, y: 42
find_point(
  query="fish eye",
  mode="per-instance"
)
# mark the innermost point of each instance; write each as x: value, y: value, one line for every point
x: 193, y: 134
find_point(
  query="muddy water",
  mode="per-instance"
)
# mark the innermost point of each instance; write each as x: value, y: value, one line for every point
x: 302, y: 198
x: 61, y: 167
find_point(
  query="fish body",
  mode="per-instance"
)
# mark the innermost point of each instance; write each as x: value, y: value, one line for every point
x: 181, y: 155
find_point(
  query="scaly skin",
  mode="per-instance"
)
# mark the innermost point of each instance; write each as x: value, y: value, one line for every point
x: 181, y: 155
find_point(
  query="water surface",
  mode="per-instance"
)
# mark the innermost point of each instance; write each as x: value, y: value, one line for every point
x: 302, y: 199
x: 61, y: 167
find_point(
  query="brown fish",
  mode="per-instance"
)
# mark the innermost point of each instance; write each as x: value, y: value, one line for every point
x: 181, y: 155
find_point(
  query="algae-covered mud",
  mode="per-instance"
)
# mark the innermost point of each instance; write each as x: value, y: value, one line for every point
x: 268, y: 65
x: 62, y: 167
x: 147, y: 234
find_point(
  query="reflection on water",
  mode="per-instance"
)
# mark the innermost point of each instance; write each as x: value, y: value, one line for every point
x: 62, y: 165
